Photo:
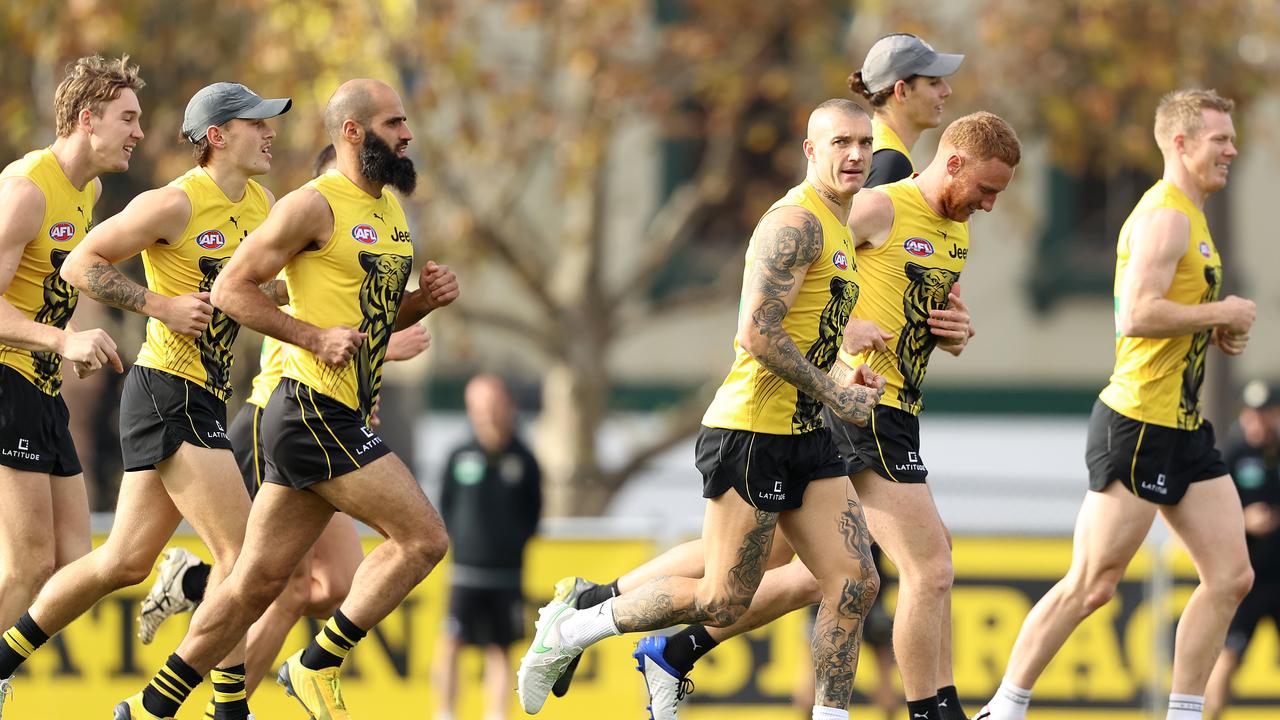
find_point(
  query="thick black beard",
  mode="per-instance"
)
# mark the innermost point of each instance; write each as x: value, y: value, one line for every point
x: 380, y: 164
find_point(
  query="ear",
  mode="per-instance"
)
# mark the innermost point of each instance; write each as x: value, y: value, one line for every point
x: 900, y: 89
x: 954, y: 163
x: 1180, y: 143
x: 215, y: 136
x: 809, y: 149
x: 352, y: 132
x: 83, y: 120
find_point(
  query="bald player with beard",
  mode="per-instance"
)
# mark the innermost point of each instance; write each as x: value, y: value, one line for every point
x: 346, y: 251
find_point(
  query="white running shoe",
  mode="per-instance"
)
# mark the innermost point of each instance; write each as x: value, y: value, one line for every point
x: 165, y: 598
x: 547, y: 658
x: 665, y: 686
x: 6, y: 689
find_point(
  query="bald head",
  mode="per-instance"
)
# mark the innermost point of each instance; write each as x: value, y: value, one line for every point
x: 359, y: 100
x: 492, y: 411
x: 826, y: 114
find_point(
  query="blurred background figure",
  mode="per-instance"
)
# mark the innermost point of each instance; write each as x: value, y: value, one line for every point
x: 491, y: 499
x: 1253, y: 455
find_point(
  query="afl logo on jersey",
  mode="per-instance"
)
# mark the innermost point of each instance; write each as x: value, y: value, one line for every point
x: 840, y: 260
x: 918, y: 246
x: 62, y: 232
x: 211, y: 239
x: 1204, y: 249
x: 365, y: 234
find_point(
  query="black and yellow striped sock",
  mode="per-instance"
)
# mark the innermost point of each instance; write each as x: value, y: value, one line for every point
x: 230, y: 701
x: 170, y: 687
x: 332, y: 644
x: 20, y: 641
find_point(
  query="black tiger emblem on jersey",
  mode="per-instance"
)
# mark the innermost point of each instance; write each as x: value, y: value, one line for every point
x: 822, y: 353
x: 927, y: 290
x: 217, y: 339
x: 59, y: 299
x: 1193, y: 361
x: 384, y: 282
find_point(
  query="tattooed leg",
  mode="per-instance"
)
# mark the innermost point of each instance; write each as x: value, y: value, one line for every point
x: 830, y: 535
x: 737, y: 540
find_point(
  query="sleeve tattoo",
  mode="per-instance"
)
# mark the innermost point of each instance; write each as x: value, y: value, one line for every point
x: 107, y: 285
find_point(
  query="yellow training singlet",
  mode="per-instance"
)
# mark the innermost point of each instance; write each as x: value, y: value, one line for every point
x: 906, y: 277
x: 270, y: 368
x: 1157, y: 380
x: 752, y: 398
x: 36, y: 289
x: 884, y: 138
x: 357, y: 279
x: 190, y: 263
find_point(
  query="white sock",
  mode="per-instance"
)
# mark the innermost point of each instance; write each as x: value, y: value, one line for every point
x: 1185, y: 707
x: 589, y: 626
x: 1010, y: 702
x: 829, y: 713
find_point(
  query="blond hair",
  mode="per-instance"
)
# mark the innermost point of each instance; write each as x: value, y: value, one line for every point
x: 1181, y: 112
x: 984, y: 136
x: 92, y: 82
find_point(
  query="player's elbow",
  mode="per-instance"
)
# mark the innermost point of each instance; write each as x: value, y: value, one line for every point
x: 753, y: 343
x: 224, y: 293
x: 72, y: 270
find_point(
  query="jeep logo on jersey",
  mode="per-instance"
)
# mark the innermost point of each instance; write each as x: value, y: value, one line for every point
x: 62, y: 232
x: 840, y: 260
x: 918, y: 246
x: 1204, y: 249
x: 211, y: 239
x: 365, y: 234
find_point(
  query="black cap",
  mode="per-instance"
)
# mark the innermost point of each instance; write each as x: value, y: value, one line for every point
x: 222, y: 102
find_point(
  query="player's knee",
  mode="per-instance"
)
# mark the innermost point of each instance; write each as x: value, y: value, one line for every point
x: 295, y: 594
x: 720, y: 606
x: 934, y: 577
x: 30, y: 573
x: 1236, y: 584
x: 328, y: 594
x: 1098, y: 592
x: 128, y: 568
x: 425, y: 552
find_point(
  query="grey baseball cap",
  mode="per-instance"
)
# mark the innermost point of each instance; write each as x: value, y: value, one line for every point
x: 901, y: 55
x: 222, y: 102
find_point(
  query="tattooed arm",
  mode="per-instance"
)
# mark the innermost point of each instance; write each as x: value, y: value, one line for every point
x: 786, y: 242
x: 154, y: 217
x: 277, y: 290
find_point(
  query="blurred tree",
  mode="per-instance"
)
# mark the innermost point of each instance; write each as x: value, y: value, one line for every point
x: 529, y: 115
x: 1086, y: 75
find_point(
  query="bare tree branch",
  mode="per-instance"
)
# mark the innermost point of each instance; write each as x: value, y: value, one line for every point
x: 535, y: 335
x: 682, y: 421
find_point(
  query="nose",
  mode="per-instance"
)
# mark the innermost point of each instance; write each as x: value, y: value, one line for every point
x: 988, y: 203
x: 405, y: 133
x: 1231, y: 150
x: 945, y: 90
x: 137, y: 133
x: 271, y: 133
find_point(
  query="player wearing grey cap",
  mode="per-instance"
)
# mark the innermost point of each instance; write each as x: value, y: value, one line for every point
x: 902, y: 78
x: 177, y: 457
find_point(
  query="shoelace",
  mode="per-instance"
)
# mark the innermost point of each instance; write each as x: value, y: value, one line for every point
x: 686, y: 687
x: 336, y: 688
x: 6, y: 691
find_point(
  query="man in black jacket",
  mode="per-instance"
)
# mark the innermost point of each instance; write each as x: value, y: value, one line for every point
x: 490, y: 502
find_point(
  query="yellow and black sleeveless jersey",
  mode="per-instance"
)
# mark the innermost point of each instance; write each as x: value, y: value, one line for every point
x: 884, y: 138
x: 752, y: 398
x: 190, y: 263
x: 36, y: 289
x: 357, y: 279
x: 903, y: 279
x: 890, y: 158
x: 270, y: 369
x: 1157, y: 380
